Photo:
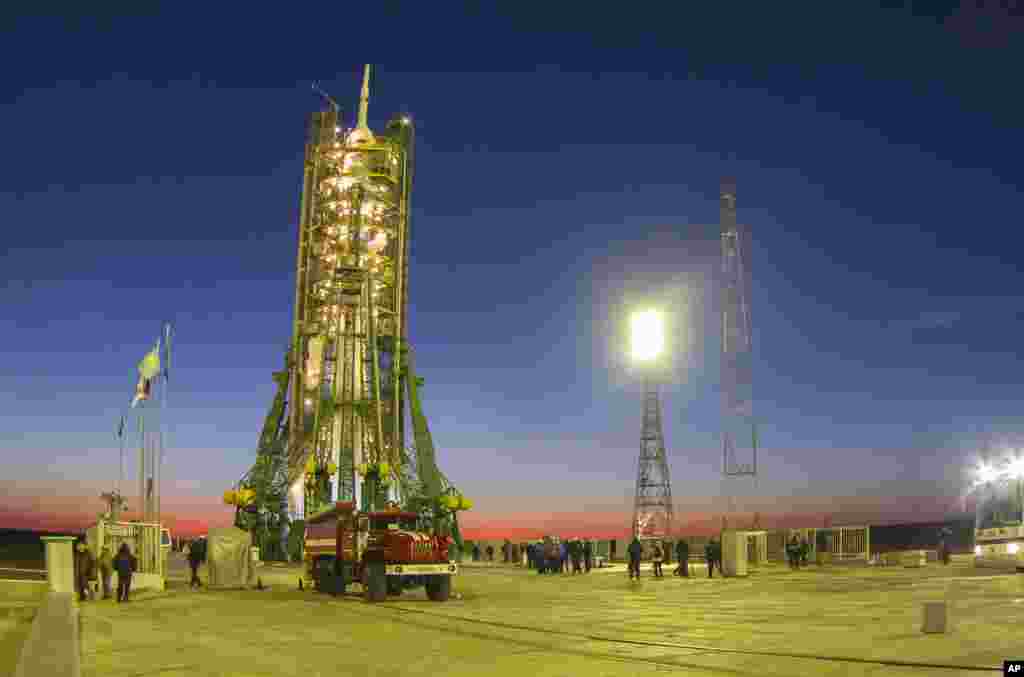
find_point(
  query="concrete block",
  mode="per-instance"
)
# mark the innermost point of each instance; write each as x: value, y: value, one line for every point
x: 60, y: 563
x: 52, y: 647
x: 936, y: 618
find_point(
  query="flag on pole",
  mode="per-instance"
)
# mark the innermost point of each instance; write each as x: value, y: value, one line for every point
x: 148, y: 368
x: 150, y: 364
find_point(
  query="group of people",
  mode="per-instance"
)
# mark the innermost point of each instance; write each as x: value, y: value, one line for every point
x: 712, y: 555
x: 797, y: 551
x: 489, y: 551
x: 87, y: 566
x: 549, y: 557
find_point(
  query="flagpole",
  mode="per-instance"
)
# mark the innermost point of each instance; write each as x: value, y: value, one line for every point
x: 164, y: 398
x: 142, y: 466
x: 120, y: 438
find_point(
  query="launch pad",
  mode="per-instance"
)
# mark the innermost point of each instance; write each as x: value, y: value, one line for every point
x: 848, y: 621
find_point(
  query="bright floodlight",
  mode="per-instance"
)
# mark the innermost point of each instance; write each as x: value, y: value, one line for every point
x: 986, y: 473
x: 648, y: 335
x: 1016, y: 468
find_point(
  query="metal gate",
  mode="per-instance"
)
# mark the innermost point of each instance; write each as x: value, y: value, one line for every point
x: 846, y: 543
x: 144, y: 540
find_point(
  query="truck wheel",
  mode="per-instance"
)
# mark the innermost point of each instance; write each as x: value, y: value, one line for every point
x: 439, y: 588
x: 376, y: 582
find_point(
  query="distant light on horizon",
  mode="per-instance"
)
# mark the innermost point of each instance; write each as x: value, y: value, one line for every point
x: 648, y: 335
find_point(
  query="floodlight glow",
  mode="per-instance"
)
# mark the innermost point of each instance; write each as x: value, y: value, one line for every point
x: 1013, y: 548
x: 648, y: 335
x: 1016, y: 468
x: 986, y: 473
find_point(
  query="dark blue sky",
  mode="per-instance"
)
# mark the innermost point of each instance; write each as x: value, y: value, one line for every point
x: 565, y: 160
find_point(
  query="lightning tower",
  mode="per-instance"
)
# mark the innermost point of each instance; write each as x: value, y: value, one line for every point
x: 739, y: 429
x: 652, y: 505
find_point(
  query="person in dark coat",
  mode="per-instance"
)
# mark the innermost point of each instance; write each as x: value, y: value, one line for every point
x: 588, y: 555
x: 711, y: 556
x: 576, y: 554
x: 805, y: 550
x: 85, y: 569
x: 125, y: 565
x: 635, y: 550
x: 683, y: 555
x: 490, y: 553
x: 106, y: 566
x: 657, y: 556
x: 531, y: 555
x: 551, y: 557
x: 793, y: 552
x: 195, y: 558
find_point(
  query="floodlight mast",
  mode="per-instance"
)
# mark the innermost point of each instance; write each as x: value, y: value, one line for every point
x: 652, y: 505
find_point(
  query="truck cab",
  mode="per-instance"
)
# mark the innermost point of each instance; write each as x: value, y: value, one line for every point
x: 385, y: 551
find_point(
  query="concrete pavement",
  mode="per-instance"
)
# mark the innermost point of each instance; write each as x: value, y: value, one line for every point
x: 513, y: 621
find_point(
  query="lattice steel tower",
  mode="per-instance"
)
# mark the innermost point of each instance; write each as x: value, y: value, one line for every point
x: 739, y: 429
x: 652, y: 506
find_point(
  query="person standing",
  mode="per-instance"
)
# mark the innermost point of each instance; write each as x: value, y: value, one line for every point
x: 195, y: 557
x: 576, y: 553
x: 85, y: 569
x: 709, y: 557
x: 656, y: 556
x: 805, y: 550
x: 125, y: 564
x: 635, y: 550
x: 106, y: 566
x: 588, y: 554
x: 490, y: 553
x: 793, y: 552
x: 683, y: 555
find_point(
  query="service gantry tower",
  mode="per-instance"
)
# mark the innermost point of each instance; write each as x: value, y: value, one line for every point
x: 345, y: 414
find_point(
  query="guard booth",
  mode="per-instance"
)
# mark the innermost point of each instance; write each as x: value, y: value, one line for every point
x: 757, y: 548
x: 734, y: 553
x: 149, y: 542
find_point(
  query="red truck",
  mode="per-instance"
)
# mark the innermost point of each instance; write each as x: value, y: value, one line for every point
x: 385, y: 551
